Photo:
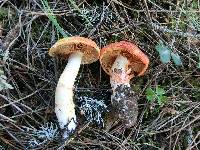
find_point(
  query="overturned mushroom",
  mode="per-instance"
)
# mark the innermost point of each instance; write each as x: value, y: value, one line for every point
x: 123, y: 61
x: 77, y: 50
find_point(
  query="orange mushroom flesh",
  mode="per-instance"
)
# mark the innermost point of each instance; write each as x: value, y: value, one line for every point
x: 123, y: 61
x: 78, y: 50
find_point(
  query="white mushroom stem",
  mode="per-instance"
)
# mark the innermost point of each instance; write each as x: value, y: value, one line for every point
x: 119, y: 72
x: 64, y: 105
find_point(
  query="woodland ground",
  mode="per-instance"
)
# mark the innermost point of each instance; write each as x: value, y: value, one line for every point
x: 169, y: 92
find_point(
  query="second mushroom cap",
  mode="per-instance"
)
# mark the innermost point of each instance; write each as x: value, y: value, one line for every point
x: 138, y: 61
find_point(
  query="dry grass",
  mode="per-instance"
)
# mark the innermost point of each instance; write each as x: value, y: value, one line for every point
x: 27, y: 34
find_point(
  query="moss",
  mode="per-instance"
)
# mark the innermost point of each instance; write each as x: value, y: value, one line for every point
x: 3, y: 13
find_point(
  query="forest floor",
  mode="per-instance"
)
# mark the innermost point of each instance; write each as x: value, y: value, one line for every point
x: 168, y: 32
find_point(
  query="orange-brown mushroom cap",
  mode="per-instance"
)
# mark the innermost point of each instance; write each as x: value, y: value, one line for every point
x: 138, y: 61
x: 64, y: 47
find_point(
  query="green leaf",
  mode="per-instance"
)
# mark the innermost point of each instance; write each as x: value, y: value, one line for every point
x: 198, y: 66
x: 7, y: 86
x: 162, y: 99
x: 1, y: 72
x: 150, y: 94
x: 3, y: 77
x: 4, y: 84
x: 164, y: 52
x: 176, y: 59
x: 159, y: 91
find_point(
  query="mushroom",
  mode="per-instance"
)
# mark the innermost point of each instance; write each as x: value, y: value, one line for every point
x: 123, y: 61
x: 78, y: 50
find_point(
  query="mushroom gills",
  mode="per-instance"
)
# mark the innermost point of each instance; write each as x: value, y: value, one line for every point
x: 64, y: 105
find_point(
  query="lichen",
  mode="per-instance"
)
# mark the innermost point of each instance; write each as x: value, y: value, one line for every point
x: 92, y: 109
x: 41, y: 136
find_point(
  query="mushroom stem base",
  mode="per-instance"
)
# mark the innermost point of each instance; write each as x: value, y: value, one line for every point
x: 64, y: 105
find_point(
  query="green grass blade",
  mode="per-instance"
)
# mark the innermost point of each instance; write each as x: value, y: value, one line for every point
x: 73, y: 3
x: 53, y: 19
